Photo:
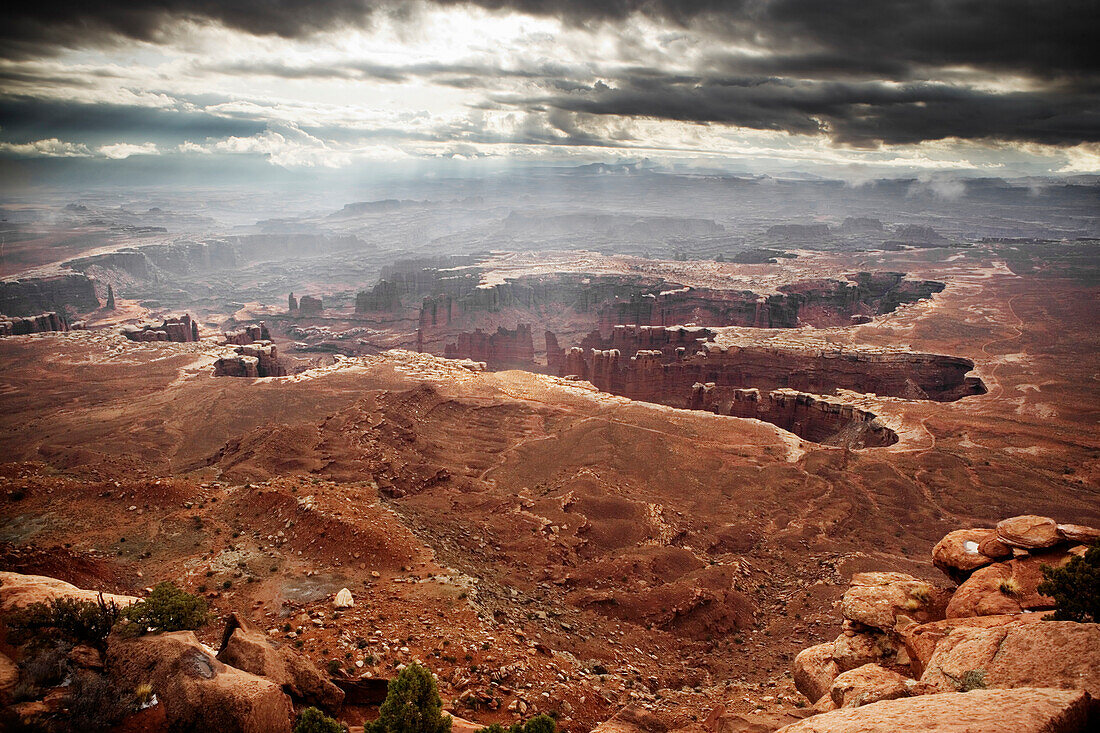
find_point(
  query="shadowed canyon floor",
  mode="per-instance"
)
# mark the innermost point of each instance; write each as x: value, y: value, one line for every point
x: 606, y: 551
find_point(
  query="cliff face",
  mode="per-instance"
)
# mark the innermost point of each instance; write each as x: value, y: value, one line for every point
x: 504, y: 348
x: 260, y: 359
x: 805, y: 415
x: 681, y: 368
x: 32, y: 296
x: 41, y: 323
x: 817, y: 302
x: 181, y: 329
x: 248, y: 334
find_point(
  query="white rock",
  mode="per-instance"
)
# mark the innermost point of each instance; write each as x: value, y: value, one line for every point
x: 343, y: 599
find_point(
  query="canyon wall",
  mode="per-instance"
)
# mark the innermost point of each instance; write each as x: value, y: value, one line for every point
x: 41, y: 323
x: 656, y: 376
x: 805, y: 415
x: 248, y: 334
x: 260, y: 359
x: 58, y: 293
x: 505, y: 348
x: 175, y: 328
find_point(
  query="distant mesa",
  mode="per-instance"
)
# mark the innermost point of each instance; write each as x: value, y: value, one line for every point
x: 307, y: 305
x: 248, y: 335
x: 175, y: 328
x: 259, y: 359
x: 41, y: 323
x: 60, y: 293
x: 503, y: 349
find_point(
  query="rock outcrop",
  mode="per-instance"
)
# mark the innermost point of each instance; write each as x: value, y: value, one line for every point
x: 248, y: 648
x: 176, y: 328
x: 259, y: 359
x: 58, y: 293
x: 1024, y: 710
x: 905, y: 638
x: 503, y: 349
x: 248, y: 334
x: 667, y: 374
x: 18, y: 591
x: 309, y: 305
x: 199, y: 692
x: 41, y: 323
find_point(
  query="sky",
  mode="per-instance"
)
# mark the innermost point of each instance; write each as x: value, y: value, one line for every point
x: 853, y: 88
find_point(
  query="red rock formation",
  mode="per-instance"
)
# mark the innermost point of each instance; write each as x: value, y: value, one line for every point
x: 668, y: 371
x: 803, y: 414
x: 175, y: 328
x: 41, y: 323
x: 500, y: 349
x: 310, y: 306
x: 55, y: 293
x: 259, y: 359
x: 248, y: 334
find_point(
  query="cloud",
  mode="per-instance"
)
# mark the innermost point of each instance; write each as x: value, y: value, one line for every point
x: 51, y: 148
x: 119, y: 151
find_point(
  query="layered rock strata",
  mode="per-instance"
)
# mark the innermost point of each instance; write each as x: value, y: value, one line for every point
x: 175, y: 328
x: 903, y: 637
x: 259, y: 359
x: 41, y: 323
x: 504, y: 348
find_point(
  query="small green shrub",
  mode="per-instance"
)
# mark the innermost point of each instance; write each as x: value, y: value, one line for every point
x: 412, y: 705
x: 973, y: 679
x: 312, y: 720
x: 1075, y: 588
x: 333, y: 667
x: 83, y: 622
x: 168, y: 609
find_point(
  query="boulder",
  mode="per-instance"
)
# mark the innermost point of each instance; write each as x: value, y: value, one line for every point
x: 851, y: 650
x: 994, y: 548
x: 1029, y: 532
x: 1051, y: 654
x: 1005, y: 587
x: 248, y: 648
x: 1024, y: 710
x: 879, y: 600
x: 18, y: 590
x: 958, y: 553
x: 1079, y: 533
x: 197, y: 691
x: 867, y: 684
x: 814, y: 671
x: 343, y: 599
x: 920, y: 641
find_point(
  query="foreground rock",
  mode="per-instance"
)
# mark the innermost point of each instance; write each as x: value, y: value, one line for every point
x: 1024, y: 710
x: 1006, y: 587
x: 248, y: 648
x: 197, y: 691
x: 1029, y: 531
x: 1049, y: 654
x: 18, y: 591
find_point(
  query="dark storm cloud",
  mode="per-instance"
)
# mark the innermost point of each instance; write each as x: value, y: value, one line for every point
x: 1038, y: 36
x: 813, y: 67
x: 26, y: 119
x: 863, y: 113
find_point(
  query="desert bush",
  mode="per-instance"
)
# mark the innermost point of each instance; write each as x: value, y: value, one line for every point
x: 1075, y: 588
x: 973, y: 679
x: 412, y: 705
x: 94, y: 703
x: 84, y: 622
x: 168, y: 609
x: 312, y: 720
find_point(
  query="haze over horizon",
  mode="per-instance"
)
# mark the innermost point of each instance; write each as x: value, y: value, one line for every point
x: 347, y: 89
